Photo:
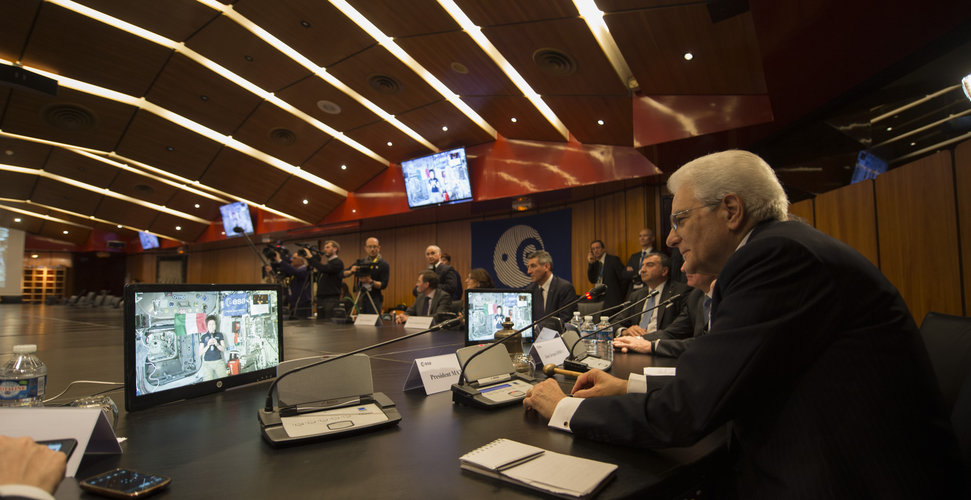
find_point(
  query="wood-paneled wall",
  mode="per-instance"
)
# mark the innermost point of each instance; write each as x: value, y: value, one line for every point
x: 962, y: 184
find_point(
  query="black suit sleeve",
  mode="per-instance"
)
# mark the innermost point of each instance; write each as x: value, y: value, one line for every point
x: 593, y: 271
x: 441, y: 302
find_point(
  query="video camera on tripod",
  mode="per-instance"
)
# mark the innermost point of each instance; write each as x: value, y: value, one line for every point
x: 276, y: 248
x: 307, y: 251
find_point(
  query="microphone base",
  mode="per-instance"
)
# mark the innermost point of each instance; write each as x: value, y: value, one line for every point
x: 271, y: 424
x: 569, y: 364
x: 491, y: 397
x: 587, y: 362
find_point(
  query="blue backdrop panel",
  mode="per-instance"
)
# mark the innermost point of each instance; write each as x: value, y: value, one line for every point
x: 502, y: 246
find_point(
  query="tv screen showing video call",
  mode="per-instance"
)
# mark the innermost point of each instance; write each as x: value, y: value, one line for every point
x: 487, y: 308
x: 437, y: 179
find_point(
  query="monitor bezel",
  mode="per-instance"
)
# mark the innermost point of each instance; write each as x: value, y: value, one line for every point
x: 468, y: 178
x: 527, y: 334
x: 135, y: 402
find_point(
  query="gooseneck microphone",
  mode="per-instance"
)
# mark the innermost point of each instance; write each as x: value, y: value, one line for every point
x: 238, y: 229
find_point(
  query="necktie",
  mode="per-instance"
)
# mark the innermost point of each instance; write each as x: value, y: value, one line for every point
x: 428, y: 306
x: 600, y: 279
x: 706, y: 310
x: 646, y: 317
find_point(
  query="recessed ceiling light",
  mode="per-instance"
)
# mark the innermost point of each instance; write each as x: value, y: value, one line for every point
x: 119, y: 226
x: 343, y: 167
x: 8, y: 152
x: 305, y: 24
x: 248, y: 58
x: 204, y: 98
x: 329, y: 107
x: 170, y: 148
x: 222, y: 233
x: 34, y: 256
x: 444, y: 128
x: 67, y: 232
x: 389, y: 144
x: 600, y: 122
x: 513, y: 119
x: 353, y: 210
x: 913, y: 144
x: 197, y: 205
x: 306, y: 202
x: 688, y: 56
x: 17, y: 219
x: 889, y: 129
x: 178, y: 228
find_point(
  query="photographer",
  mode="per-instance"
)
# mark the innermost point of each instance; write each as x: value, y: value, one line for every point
x: 331, y: 276
x: 372, y: 273
x: 299, y: 288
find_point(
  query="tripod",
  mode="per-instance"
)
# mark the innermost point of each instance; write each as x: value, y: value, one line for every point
x: 361, y: 291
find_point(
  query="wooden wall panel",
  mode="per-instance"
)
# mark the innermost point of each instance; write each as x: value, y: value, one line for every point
x: 962, y: 181
x: 584, y: 230
x: 410, y: 244
x: 611, y: 223
x: 455, y: 238
x: 804, y: 210
x: 917, y: 227
x: 636, y: 214
x: 849, y: 215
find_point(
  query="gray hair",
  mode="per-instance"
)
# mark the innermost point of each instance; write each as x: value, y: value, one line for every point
x: 542, y: 257
x: 734, y: 171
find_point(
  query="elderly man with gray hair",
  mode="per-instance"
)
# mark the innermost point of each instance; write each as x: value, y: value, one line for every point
x: 811, y: 353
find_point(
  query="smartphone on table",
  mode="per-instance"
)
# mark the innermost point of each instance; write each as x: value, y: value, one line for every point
x: 125, y: 483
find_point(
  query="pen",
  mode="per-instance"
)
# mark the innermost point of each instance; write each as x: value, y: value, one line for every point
x: 520, y: 461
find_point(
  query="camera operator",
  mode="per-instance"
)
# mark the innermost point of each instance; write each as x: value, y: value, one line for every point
x: 372, y: 273
x: 299, y: 288
x: 331, y: 270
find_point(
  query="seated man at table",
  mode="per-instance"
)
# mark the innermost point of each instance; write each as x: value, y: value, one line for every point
x: 430, y: 300
x: 655, y: 275
x: 812, y: 354
x: 693, y: 322
x: 28, y: 469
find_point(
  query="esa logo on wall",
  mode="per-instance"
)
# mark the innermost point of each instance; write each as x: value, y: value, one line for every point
x: 503, y: 247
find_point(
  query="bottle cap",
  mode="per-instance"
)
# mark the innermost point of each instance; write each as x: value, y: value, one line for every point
x: 588, y: 318
x: 24, y: 348
x: 604, y: 318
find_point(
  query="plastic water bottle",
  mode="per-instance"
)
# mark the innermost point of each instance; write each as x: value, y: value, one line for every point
x: 587, y: 328
x: 605, y: 340
x: 23, y: 378
x: 576, y: 321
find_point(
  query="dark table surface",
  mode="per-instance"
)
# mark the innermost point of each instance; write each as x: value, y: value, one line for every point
x: 211, y: 446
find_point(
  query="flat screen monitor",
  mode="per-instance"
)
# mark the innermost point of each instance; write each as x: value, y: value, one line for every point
x: 148, y: 240
x: 868, y: 166
x: 437, y: 179
x: 184, y: 340
x: 487, y: 308
x: 236, y: 219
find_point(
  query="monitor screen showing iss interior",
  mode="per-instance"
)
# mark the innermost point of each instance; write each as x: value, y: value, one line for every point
x: 189, y: 340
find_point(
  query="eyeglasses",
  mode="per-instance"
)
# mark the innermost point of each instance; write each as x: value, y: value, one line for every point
x: 678, y: 218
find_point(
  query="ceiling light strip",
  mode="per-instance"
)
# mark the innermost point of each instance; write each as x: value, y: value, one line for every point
x: 594, y: 18
x: 39, y: 215
x: 128, y: 168
x: 73, y: 214
x: 934, y: 147
x: 921, y: 129
x: 480, y: 39
x: 320, y: 72
x: 915, y: 103
x: 388, y: 43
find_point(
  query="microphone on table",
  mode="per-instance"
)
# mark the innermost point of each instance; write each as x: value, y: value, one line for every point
x: 271, y: 417
x: 570, y: 364
x: 464, y: 392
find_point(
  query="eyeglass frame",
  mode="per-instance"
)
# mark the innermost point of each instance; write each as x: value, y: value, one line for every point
x: 677, y: 218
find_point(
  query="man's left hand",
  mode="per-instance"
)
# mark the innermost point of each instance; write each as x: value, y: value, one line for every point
x: 543, y: 397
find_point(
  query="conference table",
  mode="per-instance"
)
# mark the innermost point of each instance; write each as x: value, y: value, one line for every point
x: 211, y: 446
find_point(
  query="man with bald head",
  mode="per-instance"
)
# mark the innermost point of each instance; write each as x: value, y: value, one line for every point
x: 449, y: 280
x: 811, y: 354
x: 377, y: 274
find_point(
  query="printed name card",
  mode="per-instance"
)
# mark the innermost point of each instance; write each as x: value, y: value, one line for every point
x: 419, y: 322
x: 436, y: 373
x: 659, y: 371
x: 368, y: 320
x: 547, y: 334
x: 549, y: 351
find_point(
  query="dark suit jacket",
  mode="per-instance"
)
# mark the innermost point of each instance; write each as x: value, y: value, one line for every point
x: 441, y: 302
x: 678, y: 335
x: 561, y: 293
x: 613, y: 277
x: 814, y: 356
x: 448, y: 280
x: 667, y: 314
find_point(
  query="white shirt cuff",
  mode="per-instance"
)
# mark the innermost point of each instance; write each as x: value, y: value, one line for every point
x: 563, y: 413
x: 26, y: 491
x: 636, y: 383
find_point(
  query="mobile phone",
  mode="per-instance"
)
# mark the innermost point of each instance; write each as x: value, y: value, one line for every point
x: 65, y: 446
x: 125, y: 483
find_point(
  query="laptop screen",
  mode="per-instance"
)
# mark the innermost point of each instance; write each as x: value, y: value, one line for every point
x: 188, y: 340
x: 487, y: 308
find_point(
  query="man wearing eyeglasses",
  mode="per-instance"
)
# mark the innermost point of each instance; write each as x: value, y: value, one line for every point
x: 811, y: 354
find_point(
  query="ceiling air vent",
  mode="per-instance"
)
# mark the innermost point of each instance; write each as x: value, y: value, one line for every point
x: 143, y: 189
x: 554, y: 62
x: 70, y: 117
x: 384, y: 84
x: 283, y: 137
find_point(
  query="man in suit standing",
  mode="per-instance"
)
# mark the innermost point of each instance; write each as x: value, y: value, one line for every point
x: 448, y: 278
x: 549, y: 292
x: 431, y: 299
x: 646, y: 240
x: 655, y: 271
x: 607, y: 269
x: 812, y: 354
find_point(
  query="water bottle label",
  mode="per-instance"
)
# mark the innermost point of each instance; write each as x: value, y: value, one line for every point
x: 13, y: 389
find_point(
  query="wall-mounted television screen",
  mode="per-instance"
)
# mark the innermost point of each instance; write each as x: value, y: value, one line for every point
x: 868, y: 166
x: 437, y: 179
x: 236, y: 219
x: 149, y: 240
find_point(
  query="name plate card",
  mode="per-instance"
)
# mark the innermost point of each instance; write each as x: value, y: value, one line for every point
x: 549, y: 351
x: 368, y: 320
x: 436, y: 374
x: 419, y: 322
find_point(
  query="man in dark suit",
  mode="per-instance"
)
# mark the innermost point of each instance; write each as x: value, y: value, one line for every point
x: 448, y: 278
x: 672, y: 340
x: 646, y: 240
x: 655, y: 270
x: 549, y: 292
x: 607, y: 269
x: 812, y: 354
x: 430, y: 301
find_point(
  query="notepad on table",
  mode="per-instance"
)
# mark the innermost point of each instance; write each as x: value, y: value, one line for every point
x: 562, y: 475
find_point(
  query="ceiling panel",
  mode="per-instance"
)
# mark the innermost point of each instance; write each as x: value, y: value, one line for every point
x: 173, y: 19
x: 129, y: 67
x: 16, y: 186
x: 162, y: 144
x: 185, y: 201
x: 314, y: 28
x: 397, y: 19
x: 65, y: 196
x: 122, y: 212
x: 726, y: 54
x: 166, y: 224
x: 243, y: 53
x: 74, y: 166
x: 429, y: 120
x: 313, y: 96
x: 72, y: 117
x: 395, y: 87
x: 15, y: 25
x: 289, y: 199
x: 584, y: 70
x: 376, y: 137
x: 55, y: 230
x: 142, y: 188
x: 28, y: 224
x: 23, y: 153
x: 500, y: 110
x: 326, y: 163
x: 497, y: 12
x: 198, y: 94
x: 278, y: 133
x: 243, y: 176
x: 456, y: 60
x: 581, y: 115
